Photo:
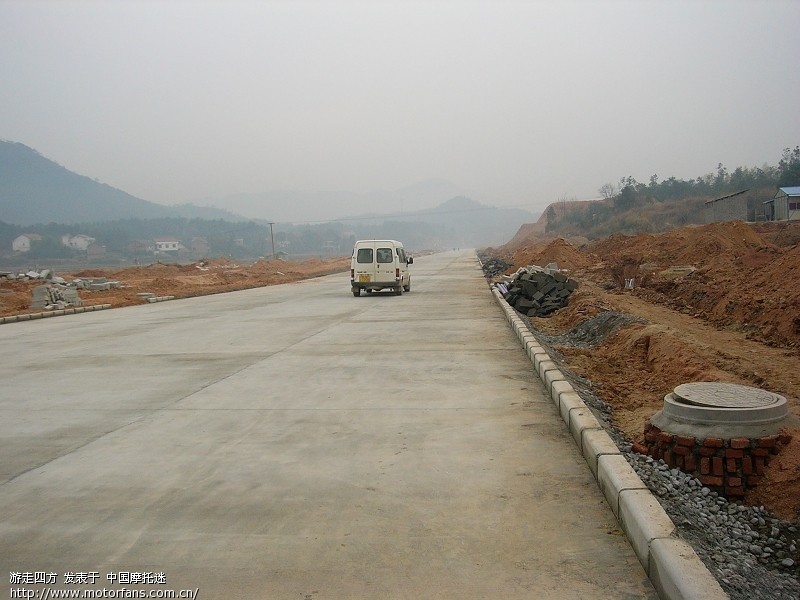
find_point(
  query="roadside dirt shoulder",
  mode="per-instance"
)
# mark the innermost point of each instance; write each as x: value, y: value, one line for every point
x: 181, y: 281
x: 724, y: 321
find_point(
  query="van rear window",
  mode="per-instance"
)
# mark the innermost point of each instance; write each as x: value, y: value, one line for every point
x: 385, y: 255
x: 364, y: 255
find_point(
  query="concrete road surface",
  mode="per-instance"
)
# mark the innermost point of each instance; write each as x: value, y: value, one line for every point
x: 297, y: 442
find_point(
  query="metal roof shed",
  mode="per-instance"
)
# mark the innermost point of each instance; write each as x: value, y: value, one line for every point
x: 787, y: 204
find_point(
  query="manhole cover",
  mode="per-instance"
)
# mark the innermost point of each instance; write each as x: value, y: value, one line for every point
x: 725, y: 395
x: 735, y: 410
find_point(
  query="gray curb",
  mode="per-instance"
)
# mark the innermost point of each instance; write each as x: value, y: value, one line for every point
x: 672, y: 565
x: 53, y: 313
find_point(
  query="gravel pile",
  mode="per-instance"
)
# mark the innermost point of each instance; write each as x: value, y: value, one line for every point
x: 492, y: 267
x: 753, y: 554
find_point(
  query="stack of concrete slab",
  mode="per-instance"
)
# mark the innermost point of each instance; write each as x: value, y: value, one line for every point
x: 537, y: 291
x: 96, y: 283
x: 55, y: 297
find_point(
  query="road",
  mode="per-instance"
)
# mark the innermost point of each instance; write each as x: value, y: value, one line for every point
x: 297, y: 442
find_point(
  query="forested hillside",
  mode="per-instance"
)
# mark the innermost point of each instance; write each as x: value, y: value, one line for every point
x: 631, y: 206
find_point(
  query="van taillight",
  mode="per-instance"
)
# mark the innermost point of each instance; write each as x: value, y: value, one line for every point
x: 352, y: 273
x: 397, y: 273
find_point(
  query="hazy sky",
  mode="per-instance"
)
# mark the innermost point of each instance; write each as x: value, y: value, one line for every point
x: 518, y: 103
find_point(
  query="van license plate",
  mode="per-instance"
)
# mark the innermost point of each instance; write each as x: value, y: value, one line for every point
x: 363, y: 279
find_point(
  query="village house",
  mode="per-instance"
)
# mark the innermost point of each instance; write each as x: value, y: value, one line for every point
x: 77, y: 242
x: 167, y: 245
x: 22, y: 243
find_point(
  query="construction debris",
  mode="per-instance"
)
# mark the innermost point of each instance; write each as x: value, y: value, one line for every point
x: 55, y: 296
x: 537, y: 291
x: 492, y: 267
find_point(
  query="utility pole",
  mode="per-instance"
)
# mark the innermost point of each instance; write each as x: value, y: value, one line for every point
x: 272, y: 239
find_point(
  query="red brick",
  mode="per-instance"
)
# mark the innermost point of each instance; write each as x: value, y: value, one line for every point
x: 759, y: 466
x: 665, y: 437
x: 647, y: 426
x: 690, y: 463
x: 714, y: 442
x: 679, y: 462
x: 703, y: 451
x: 740, y: 443
x: 767, y: 442
x: 654, y: 428
x: 705, y: 465
x: 682, y: 450
x: 734, y: 481
x: 730, y: 453
x: 717, y: 466
x: 683, y: 440
x: 668, y: 458
x: 732, y: 466
x: 747, y: 465
x: 711, y: 480
x: 639, y: 448
x: 651, y: 436
x: 734, y: 491
x: 760, y: 452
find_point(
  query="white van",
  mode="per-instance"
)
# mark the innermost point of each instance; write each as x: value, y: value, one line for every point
x: 378, y: 265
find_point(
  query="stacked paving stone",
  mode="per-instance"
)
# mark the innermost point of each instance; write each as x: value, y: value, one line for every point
x: 96, y: 283
x: 536, y: 291
x: 54, y: 296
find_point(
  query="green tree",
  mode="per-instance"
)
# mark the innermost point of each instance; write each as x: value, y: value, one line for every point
x: 626, y: 199
x: 550, y: 215
x: 49, y: 247
x: 789, y: 167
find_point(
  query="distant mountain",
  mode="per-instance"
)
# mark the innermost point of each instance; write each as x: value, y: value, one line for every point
x: 459, y: 221
x: 207, y: 213
x: 428, y: 192
x: 292, y: 206
x: 34, y: 189
x: 478, y: 224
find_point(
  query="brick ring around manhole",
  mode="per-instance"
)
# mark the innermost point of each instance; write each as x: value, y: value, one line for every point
x: 725, y: 395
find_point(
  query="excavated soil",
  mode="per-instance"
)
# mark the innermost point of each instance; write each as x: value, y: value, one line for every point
x: 182, y: 281
x: 717, y: 302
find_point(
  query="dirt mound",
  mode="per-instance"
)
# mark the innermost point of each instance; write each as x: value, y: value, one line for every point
x: 737, y: 277
x: 734, y: 316
x: 559, y: 251
x: 528, y: 234
x: 693, y: 245
x: 87, y: 273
